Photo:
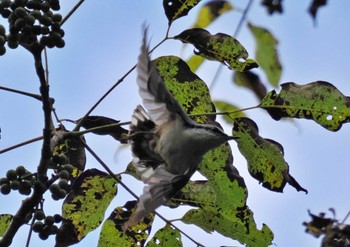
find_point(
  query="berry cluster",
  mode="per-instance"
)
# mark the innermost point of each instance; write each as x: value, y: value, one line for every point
x: 64, y: 170
x: 19, y: 179
x: 29, y: 19
x: 45, y: 225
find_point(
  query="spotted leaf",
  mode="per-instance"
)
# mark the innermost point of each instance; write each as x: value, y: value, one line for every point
x: 264, y: 156
x: 319, y: 101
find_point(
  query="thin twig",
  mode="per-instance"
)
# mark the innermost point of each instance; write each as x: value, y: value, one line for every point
x: 225, y: 112
x: 30, y: 230
x: 104, y: 165
x: 346, y: 217
x: 71, y: 12
x: 235, y: 34
x: 112, y: 88
x: 103, y: 127
x: 21, y: 144
x: 32, y: 95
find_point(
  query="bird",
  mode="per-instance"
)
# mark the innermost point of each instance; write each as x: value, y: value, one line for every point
x: 166, y: 144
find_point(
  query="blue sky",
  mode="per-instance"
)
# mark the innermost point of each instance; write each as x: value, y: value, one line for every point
x: 102, y: 43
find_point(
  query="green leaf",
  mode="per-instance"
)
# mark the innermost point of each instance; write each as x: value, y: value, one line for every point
x: 175, y: 9
x: 112, y: 233
x: 188, y: 89
x: 117, y: 132
x: 5, y: 220
x: 224, y: 106
x: 251, y: 81
x: 264, y: 156
x: 220, y: 47
x: 84, y: 208
x: 266, y: 53
x: 211, y: 11
x: 166, y: 236
x: 222, y: 206
x: 319, y: 101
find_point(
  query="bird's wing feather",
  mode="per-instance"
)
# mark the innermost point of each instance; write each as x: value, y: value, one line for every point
x: 161, y: 186
x: 156, y: 98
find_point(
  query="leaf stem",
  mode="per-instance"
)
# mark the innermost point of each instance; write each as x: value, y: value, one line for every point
x: 83, y: 132
x: 225, y: 113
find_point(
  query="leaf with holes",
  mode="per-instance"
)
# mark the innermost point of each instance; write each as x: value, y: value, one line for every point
x: 231, y: 110
x: 220, y: 47
x: 319, y: 101
x: 175, y: 9
x: 266, y: 53
x: 5, y: 220
x: 116, y: 131
x: 251, y: 81
x: 112, y: 233
x: 84, y: 208
x: 211, y: 11
x: 166, y: 236
x: 264, y: 156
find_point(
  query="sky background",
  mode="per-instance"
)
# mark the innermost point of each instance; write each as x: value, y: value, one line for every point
x: 102, y: 43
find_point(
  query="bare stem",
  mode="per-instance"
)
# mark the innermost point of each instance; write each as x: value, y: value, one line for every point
x: 71, y: 12
x: 32, y: 95
x: 21, y: 144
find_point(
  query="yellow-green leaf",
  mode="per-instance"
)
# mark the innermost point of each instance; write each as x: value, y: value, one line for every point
x: 220, y: 47
x: 84, y: 208
x: 188, y: 89
x: 175, y: 9
x: 5, y: 220
x: 166, y: 236
x: 231, y: 110
x: 264, y: 156
x: 221, y: 201
x: 319, y: 101
x: 112, y: 233
x: 266, y: 53
x: 211, y: 11
x: 194, y: 62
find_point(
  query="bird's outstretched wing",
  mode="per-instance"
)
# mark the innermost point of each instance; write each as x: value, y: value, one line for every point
x: 156, y: 98
x: 161, y: 184
x: 161, y: 107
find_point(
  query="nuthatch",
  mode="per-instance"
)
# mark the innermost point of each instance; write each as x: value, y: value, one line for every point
x: 167, y: 145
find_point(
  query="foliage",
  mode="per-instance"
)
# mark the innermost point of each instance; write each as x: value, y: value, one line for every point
x: 218, y: 203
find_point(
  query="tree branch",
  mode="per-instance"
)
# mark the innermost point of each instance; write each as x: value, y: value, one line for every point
x: 19, y: 219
